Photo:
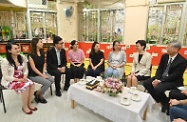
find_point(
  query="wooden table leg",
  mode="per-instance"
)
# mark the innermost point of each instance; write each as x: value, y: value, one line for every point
x: 145, y: 114
x: 72, y: 104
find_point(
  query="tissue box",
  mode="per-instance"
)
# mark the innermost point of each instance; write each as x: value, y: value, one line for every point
x: 91, y: 86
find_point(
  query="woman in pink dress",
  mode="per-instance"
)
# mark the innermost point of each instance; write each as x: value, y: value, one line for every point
x: 14, y: 70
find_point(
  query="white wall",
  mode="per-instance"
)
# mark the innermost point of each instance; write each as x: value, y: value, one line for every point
x: 67, y: 26
x: 136, y: 13
x: 20, y: 3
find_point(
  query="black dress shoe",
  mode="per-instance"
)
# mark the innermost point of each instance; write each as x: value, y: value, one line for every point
x: 66, y: 88
x: 164, y: 107
x: 42, y: 100
x: 58, y: 93
x: 167, y: 107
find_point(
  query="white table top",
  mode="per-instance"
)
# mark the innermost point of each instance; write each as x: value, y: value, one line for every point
x: 110, y: 107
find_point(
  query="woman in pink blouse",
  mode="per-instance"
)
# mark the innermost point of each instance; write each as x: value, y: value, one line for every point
x: 76, y: 57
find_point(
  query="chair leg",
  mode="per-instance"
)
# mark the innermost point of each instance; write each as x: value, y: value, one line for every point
x: 2, y: 97
x: 51, y: 90
x: 145, y: 90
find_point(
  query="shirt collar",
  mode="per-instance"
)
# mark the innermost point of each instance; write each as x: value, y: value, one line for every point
x: 173, y: 57
x: 57, y: 50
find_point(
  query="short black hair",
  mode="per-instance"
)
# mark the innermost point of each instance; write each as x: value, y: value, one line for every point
x: 56, y: 39
x: 72, y: 43
x: 142, y: 43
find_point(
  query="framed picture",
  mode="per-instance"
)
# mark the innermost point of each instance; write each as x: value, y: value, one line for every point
x: 2, y: 48
x: 25, y: 48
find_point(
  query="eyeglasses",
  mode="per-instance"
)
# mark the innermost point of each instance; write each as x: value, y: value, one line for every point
x: 61, y: 43
x: 169, y: 48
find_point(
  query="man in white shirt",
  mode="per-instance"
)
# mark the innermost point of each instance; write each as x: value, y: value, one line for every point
x: 56, y: 64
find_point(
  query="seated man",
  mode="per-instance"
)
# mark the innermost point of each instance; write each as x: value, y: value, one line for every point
x: 169, y: 75
x: 56, y: 64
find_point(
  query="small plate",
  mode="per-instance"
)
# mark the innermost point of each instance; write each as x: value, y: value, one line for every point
x: 181, y: 88
x: 82, y: 80
x: 137, y: 99
x: 126, y: 103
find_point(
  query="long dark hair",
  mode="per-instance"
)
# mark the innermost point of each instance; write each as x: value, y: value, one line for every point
x: 116, y: 41
x: 93, y: 48
x: 33, y: 46
x: 9, y: 55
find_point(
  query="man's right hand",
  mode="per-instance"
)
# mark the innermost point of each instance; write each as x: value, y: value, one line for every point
x: 155, y: 83
x: 62, y: 69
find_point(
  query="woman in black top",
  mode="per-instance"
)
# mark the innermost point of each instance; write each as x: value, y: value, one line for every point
x: 37, y: 67
x: 96, y: 61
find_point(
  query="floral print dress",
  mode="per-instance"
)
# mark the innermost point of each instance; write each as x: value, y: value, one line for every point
x: 18, y: 86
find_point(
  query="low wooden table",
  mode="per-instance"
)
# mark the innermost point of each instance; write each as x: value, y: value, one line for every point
x: 110, y: 107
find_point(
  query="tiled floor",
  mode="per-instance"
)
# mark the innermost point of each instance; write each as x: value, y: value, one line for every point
x: 58, y: 109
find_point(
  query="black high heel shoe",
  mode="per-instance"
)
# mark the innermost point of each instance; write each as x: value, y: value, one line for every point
x: 36, y: 97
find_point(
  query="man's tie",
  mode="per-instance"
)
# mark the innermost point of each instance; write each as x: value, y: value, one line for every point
x: 165, y: 74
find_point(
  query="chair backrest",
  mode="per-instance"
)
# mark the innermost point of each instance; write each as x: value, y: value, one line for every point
x: 1, y: 75
x: 151, y: 69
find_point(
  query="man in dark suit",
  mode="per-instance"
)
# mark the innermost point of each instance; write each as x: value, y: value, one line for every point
x: 169, y: 75
x: 56, y: 64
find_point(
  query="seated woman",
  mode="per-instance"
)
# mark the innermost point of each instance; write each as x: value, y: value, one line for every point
x: 37, y: 68
x: 116, y: 62
x: 76, y: 57
x: 140, y: 66
x: 14, y: 70
x: 96, y: 61
x: 178, y: 109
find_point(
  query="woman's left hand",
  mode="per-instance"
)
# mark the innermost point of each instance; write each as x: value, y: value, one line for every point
x: 25, y: 78
x: 94, y: 68
x: 78, y: 65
